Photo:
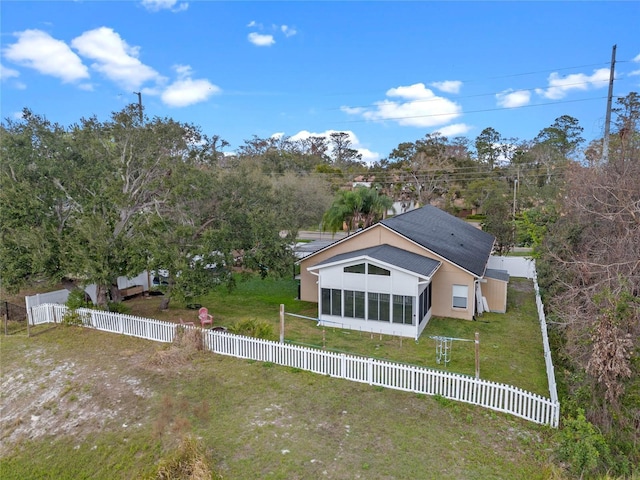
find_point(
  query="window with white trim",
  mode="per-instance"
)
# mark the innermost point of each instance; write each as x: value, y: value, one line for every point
x: 379, y: 306
x: 331, y: 301
x: 402, y: 309
x: 353, y: 304
x: 460, y: 296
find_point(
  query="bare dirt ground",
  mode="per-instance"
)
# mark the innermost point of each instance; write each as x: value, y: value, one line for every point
x: 43, y: 397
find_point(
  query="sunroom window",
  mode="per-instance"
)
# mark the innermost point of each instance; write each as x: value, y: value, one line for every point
x: 359, y: 268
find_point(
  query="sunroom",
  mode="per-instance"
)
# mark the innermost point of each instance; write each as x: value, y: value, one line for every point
x: 381, y: 289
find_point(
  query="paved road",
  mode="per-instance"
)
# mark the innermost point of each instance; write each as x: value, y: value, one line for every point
x: 315, y: 235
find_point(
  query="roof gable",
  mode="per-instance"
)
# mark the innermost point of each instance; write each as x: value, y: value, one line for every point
x: 412, y: 262
x: 446, y: 235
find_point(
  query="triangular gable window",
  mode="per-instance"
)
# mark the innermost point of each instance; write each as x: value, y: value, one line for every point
x: 359, y: 268
x: 367, y: 268
x: 375, y: 270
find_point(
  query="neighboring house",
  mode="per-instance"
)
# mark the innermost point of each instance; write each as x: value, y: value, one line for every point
x: 393, y: 276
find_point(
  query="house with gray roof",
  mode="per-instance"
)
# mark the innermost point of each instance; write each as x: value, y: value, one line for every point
x: 393, y: 276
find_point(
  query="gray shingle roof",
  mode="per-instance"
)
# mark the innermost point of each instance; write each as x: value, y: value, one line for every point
x: 497, y: 274
x: 390, y: 255
x: 446, y: 235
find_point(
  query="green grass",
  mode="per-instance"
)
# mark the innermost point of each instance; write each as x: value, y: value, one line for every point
x: 259, y: 420
x: 254, y: 420
x: 510, y: 344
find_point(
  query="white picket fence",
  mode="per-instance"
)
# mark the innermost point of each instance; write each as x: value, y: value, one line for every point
x: 551, y: 376
x: 463, y: 388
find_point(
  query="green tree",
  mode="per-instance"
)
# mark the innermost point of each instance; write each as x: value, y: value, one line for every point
x: 36, y: 201
x: 489, y: 147
x: 344, y: 156
x: 564, y: 135
x: 424, y: 168
x: 360, y: 207
x: 499, y: 219
x: 102, y: 183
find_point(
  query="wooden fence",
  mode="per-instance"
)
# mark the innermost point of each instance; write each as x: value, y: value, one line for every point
x: 463, y: 388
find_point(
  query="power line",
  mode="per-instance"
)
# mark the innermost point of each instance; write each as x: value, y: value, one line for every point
x: 497, y: 76
x: 472, y: 111
x: 462, y: 97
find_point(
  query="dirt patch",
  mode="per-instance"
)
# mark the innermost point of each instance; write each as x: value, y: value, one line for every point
x: 43, y: 398
x: 521, y: 284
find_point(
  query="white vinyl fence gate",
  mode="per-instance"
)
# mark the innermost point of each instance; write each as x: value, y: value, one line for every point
x: 463, y: 388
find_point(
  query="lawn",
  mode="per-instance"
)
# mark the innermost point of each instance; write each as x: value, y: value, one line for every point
x: 510, y: 344
x: 78, y: 403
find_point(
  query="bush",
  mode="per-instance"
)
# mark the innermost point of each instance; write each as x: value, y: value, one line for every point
x: 78, y: 299
x: 73, y: 317
x: 253, y: 328
x: 118, y: 307
x: 582, y: 446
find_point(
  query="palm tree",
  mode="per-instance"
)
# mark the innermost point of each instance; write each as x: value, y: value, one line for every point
x: 361, y: 207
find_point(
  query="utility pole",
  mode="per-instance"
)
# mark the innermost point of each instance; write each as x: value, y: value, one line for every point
x: 607, y: 122
x: 139, y: 104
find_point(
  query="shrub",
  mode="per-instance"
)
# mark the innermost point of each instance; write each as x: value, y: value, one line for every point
x: 118, y: 307
x: 253, y: 328
x: 582, y: 446
x: 72, y: 317
x: 77, y: 299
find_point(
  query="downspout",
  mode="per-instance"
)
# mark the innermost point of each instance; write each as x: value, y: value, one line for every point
x: 319, y: 293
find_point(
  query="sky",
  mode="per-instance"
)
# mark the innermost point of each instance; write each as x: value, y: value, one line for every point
x: 384, y: 72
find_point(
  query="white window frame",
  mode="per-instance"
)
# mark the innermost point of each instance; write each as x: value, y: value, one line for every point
x: 460, y: 292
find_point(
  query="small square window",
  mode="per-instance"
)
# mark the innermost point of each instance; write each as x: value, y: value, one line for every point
x: 460, y: 296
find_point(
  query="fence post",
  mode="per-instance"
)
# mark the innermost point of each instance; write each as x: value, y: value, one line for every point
x: 282, y: 323
x: 477, y: 341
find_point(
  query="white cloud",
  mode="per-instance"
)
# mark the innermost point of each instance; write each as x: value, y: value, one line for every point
x: 418, y: 107
x: 368, y: 156
x: 353, y: 110
x: 559, y: 87
x: 513, y: 98
x: 38, y: 50
x: 635, y: 72
x: 7, y: 73
x: 186, y: 91
x: 253, y: 23
x: 114, y: 58
x: 454, y: 129
x: 261, y: 40
x: 288, y: 31
x: 448, y: 86
x: 157, y: 5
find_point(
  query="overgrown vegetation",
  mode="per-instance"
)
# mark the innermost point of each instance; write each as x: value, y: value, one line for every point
x: 253, y: 327
x: 188, y: 462
x: 590, y: 275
